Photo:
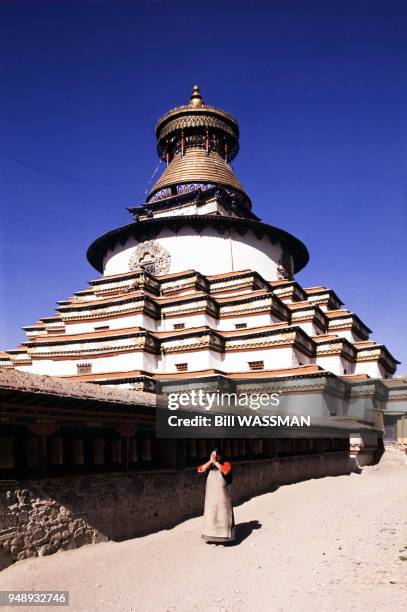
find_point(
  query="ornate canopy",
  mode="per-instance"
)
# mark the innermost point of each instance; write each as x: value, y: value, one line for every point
x: 198, y: 142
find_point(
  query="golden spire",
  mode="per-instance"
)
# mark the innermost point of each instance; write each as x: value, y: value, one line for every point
x: 196, y: 99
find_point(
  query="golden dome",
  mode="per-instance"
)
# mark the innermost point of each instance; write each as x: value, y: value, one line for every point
x: 197, y: 166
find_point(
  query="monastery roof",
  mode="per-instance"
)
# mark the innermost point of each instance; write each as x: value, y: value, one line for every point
x: 288, y: 284
x: 163, y: 299
x: 110, y: 277
x: 84, y: 291
x: 321, y: 290
x: 189, y: 272
x: 105, y: 301
x: 16, y: 380
x: 134, y: 331
x: 72, y: 338
x: 370, y: 344
x: 292, y: 372
x: 341, y: 312
x: 262, y: 328
x: 184, y: 332
x: 316, y: 289
x: 223, y: 333
x: 321, y: 338
x: 168, y: 300
x: 356, y: 376
x: 231, y: 274
x: 38, y: 324
x: 162, y: 277
x: 395, y: 386
x: 282, y: 282
x: 95, y: 376
x: 301, y: 304
x: 295, y: 371
x: 395, y: 382
x: 139, y: 293
x: 234, y: 298
x: 345, y: 314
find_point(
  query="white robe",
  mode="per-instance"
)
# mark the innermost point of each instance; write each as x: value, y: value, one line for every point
x: 219, y: 524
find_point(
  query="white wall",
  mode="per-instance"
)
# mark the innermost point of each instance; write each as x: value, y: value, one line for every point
x: 310, y: 328
x: 196, y: 360
x: 275, y: 358
x: 115, y: 363
x: 198, y: 320
x: 135, y: 320
x: 236, y: 361
x: 299, y: 358
x: 224, y: 324
x: 209, y: 253
x: 331, y: 363
x: 260, y: 320
x: 372, y: 368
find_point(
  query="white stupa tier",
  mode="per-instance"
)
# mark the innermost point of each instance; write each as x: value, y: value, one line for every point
x: 196, y: 285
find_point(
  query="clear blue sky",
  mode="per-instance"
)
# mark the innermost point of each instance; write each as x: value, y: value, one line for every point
x: 319, y: 89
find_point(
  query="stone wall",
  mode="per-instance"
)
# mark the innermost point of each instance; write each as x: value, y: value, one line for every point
x: 40, y: 517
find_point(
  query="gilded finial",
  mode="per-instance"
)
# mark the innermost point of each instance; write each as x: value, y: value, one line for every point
x: 196, y: 99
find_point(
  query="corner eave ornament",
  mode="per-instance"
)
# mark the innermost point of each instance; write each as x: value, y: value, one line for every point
x: 152, y: 257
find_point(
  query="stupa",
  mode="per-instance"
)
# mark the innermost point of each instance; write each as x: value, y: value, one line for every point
x: 195, y: 293
x: 198, y: 285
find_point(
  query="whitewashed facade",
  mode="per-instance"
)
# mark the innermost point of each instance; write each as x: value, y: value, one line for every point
x: 197, y: 285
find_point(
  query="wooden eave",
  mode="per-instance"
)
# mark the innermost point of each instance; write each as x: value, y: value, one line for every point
x: 106, y: 376
x: 97, y: 336
x: 368, y: 346
x: 288, y: 284
x: 69, y: 400
x: 333, y: 297
x: 342, y: 343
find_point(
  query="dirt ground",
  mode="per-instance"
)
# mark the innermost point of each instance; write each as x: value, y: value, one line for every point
x: 322, y: 545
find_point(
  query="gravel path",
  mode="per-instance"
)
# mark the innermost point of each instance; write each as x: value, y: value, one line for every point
x: 323, y: 545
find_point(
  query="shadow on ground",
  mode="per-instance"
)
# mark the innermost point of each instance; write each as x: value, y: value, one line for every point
x: 243, y: 531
